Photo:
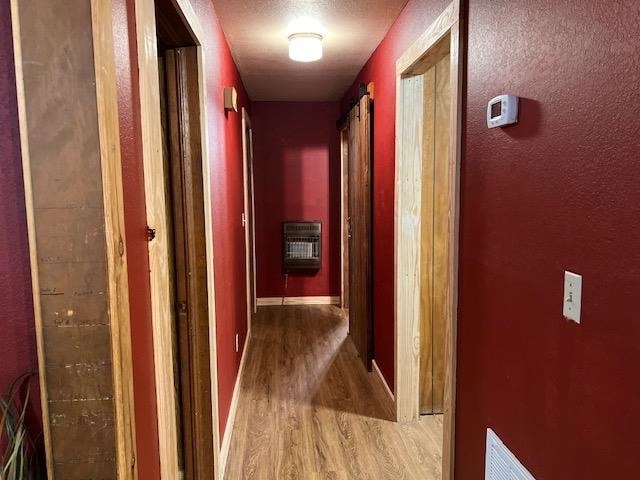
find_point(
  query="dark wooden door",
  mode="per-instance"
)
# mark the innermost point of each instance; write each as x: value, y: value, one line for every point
x: 190, y: 267
x: 359, y: 193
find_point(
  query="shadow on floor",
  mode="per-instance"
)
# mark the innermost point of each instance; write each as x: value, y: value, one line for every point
x: 307, y: 358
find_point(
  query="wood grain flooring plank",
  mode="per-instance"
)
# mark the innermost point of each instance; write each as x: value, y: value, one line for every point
x: 309, y: 410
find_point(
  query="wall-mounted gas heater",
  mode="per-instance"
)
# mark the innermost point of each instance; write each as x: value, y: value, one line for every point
x: 302, y: 245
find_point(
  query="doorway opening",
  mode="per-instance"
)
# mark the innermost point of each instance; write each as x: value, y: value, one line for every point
x: 178, y: 205
x: 184, y: 197
x: 427, y: 193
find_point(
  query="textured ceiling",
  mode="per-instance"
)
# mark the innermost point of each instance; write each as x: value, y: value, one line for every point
x: 257, y: 32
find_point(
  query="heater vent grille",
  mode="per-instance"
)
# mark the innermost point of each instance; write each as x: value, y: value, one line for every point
x: 302, y: 245
x: 501, y: 464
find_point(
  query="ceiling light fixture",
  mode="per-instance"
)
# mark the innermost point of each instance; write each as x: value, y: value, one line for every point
x: 305, y: 47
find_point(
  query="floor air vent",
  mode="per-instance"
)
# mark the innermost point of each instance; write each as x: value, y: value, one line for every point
x: 500, y: 463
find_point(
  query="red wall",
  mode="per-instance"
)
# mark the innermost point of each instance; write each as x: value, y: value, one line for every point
x: 297, y: 177
x: 380, y: 69
x: 559, y: 191
x: 18, y: 341
x: 225, y: 157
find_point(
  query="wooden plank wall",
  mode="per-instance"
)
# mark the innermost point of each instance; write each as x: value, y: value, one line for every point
x: 69, y: 131
x: 408, y: 194
x: 426, y: 244
x: 434, y: 270
x: 441, y: 243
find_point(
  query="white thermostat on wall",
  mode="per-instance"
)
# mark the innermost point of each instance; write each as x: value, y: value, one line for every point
x: 502, y: 110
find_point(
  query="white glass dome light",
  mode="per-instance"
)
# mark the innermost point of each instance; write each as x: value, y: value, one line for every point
x: 305, y: 47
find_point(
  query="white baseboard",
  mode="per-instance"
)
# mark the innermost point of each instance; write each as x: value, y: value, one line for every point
x: 376, y: 369
x: 233, y: 409
x: 275, y: 301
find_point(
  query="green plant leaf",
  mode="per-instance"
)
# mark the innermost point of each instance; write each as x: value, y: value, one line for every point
x: 17, y: 447
x: 19, y: 458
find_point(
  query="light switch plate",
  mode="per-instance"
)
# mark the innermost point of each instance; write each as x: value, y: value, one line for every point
x: 572, y: 296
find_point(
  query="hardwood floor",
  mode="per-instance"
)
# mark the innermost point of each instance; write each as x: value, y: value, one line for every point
x: 308, y: 409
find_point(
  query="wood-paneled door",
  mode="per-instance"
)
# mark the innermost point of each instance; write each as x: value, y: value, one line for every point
x: 344, y: 216
x: 360, y: 241
x: 185, y: 194
x: 434, y: 243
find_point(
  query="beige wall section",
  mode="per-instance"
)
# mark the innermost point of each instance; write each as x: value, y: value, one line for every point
x: 71, y: 160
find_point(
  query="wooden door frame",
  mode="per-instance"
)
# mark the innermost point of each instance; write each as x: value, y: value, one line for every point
x: 408, y: 191
x: 344, y: 217
x: 156, y: 206
x: 249, y: 219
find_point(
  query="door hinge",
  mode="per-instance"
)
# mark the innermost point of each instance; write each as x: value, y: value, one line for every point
x: 151, y: 234
x: 244, y: 220
x: 182, y: 308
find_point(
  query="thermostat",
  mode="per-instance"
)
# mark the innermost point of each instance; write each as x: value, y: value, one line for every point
x: 502, y: 110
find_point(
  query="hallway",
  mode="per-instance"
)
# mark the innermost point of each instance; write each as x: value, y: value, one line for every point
x: 189, y: 188
x: 309, y: 410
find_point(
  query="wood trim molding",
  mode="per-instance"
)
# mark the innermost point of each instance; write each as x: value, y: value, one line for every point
x: 434, y: 33
x: 408, y: 202
x: 190, y: 19
x: 109, y: 130
x: 228, y: 433
x: 279, y: 301
x: 408, y: 190
x: 344, y: 213
x: 451, y: 333
x: 249, y: 213
x: 159, y: 248
x: 157, y: 219
x: 384, y: 383
x: 31, y: 229
x: 208, y: 217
